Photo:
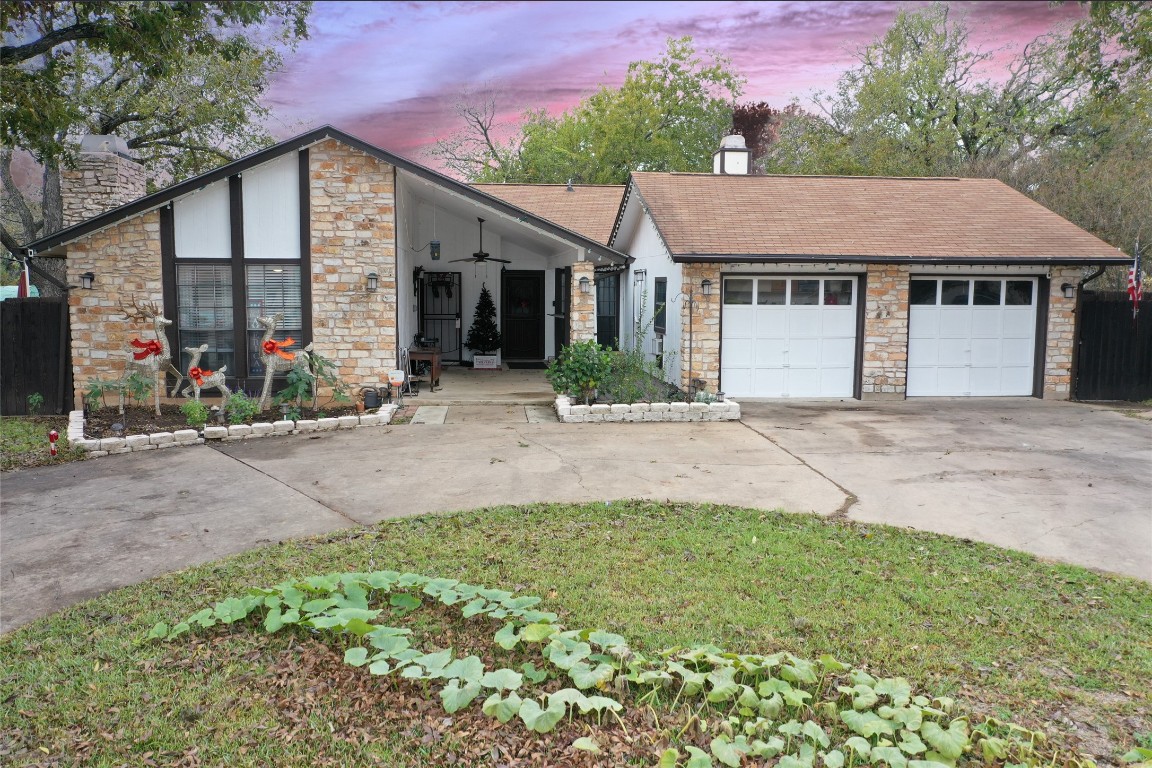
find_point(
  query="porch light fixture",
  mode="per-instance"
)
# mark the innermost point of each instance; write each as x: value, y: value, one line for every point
x: 706, y: 287
x: 373, y: 282
x: 434, y: 249
x: 86, y: 280
x: 585, y: 285
x: 1069, y: 290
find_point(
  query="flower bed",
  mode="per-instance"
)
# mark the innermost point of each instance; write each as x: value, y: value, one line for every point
x: 185, y: 437
x: 728, y: 410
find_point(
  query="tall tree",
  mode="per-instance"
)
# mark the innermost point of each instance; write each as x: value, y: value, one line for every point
x: 760, y: 123
x: 668, y: 114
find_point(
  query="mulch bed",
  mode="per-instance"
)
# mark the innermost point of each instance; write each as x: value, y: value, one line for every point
x: 142, y: 420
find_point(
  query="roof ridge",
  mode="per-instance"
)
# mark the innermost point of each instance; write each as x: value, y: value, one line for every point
x: 811, y: 176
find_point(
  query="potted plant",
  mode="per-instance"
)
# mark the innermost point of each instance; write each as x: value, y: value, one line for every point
x: 484, y: 337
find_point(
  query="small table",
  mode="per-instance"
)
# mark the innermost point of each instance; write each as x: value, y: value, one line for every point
x: 430, y: 355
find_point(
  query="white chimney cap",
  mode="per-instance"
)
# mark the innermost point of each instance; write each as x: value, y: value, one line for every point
x: 733, y: 142
x: 114, y: 145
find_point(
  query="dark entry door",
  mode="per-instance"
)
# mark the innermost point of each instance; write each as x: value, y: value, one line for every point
x: 440, y: 312
x: 608, y: 309
x: 562, y: 328
x: 522, y: 315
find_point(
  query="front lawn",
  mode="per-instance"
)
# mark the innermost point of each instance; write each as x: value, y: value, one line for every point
x: 24, y: 442
x: 1049, y: 647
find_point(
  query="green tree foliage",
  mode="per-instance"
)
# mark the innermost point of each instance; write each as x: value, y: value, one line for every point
x: 484, y: 336
x: 668, y: 115
x: 183, y: 105
x: 1070, y: 126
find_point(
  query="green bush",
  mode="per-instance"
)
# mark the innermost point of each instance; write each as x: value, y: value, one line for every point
x: 634, y: 377
x: 241, y: 409
x: 304, y: 376
x: 35, y: 403
x: 195, y: 413
x: 579, y: 369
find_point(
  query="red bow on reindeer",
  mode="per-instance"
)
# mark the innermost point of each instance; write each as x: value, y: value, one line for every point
x: 198, y: 374
x: 146, y: 348
x: 274, y: 348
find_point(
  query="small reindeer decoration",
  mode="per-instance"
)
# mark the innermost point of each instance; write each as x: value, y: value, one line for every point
x: 272, y: 354
x: 152, y: 358
x: 199, y: 378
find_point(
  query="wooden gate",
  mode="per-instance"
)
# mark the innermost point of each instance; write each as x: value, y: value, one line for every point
x: 1113, y: 350
x: 34, y: 355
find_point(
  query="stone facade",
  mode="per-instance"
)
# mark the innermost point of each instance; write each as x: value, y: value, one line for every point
x: 1061, y: 331
x: 582, y: 315
x: 700, y: 328
x: 126, y: 260
x: 100, y: 182
x: 885, y: 369
x: 353, y: 213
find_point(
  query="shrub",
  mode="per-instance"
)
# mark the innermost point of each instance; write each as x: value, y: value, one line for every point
x: 35, y: 403
x: 195, y: 413
x: 241, y: 409
x: 579, y: 369
x: 310, y: 370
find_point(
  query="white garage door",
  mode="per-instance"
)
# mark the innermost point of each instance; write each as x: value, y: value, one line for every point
x: 971, y: 336
x: 788, y: 336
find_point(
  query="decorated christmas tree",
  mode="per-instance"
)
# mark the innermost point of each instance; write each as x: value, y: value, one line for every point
x: 484, y: 336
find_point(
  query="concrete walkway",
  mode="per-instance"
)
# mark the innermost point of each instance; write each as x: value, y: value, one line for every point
x: 1063, y: 481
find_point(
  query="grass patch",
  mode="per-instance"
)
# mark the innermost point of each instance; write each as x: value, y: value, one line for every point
x: 1048, y: 645
x: 24, y: 442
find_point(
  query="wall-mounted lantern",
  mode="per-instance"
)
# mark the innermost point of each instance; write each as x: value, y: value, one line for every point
x: 434, y: 249
x: 585, y: 285
x: 1069, y: 290
x: 86, y: 280
x: 373, y: 282
x: 706, y: 287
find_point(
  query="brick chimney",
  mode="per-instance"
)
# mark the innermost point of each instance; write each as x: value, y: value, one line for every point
x: 106, y: 176
x: 733, y: 157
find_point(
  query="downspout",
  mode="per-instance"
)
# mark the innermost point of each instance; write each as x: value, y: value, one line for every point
x: 1089, y: 279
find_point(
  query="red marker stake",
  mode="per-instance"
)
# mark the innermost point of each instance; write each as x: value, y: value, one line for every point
x: 53, y: 436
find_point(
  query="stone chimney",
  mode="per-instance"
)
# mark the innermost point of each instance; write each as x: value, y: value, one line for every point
x: 106, y: 176
x: 733, y: 157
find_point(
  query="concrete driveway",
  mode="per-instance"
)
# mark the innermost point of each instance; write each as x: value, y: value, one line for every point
x: 1060, y: 480
x: 1066, y: 481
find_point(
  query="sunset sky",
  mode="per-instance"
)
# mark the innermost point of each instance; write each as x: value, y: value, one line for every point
x: 390, y: 72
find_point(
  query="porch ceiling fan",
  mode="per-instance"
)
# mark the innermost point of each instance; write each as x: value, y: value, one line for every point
x: 481, y: 257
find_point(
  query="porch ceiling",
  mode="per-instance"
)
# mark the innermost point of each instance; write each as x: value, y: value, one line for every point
x: 511, y: 228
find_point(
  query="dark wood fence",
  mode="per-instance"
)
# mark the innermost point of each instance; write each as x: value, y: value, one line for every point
x: 1113, y: 351
x: 34, y: 355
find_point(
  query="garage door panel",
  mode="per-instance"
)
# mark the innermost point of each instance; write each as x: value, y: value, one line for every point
x: 804, y: 353
x: 769, y: 381
x: 769, y: 352
x: 976, y: 349
x: 771, y: 323
x: 738, y: 322
x: 738, y: 353
x: 835, y: 382
x: 804, y: 323
x: 838, y: 322
x: 834, y: 352
x: 737, y: 381
x: 804, y: 382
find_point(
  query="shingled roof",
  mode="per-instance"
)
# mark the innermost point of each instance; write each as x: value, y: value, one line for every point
x: 709, y: 217
x: 589, y: 210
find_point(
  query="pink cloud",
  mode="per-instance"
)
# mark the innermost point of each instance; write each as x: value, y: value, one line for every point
x: 391, y: 72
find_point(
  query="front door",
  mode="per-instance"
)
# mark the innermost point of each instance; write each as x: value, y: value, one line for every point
x: 522, y: 315
x: 608, y: 309
x: 440, y: 312
x: 563, y: 299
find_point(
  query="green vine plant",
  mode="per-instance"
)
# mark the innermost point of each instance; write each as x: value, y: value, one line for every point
x: 307, y: 373
x: 778, y: 706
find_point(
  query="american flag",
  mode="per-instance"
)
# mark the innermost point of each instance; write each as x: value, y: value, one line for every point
x: 23, y: 289
x: 1135, y: 282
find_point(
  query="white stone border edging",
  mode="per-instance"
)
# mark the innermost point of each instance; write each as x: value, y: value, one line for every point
x: 728, y: 410
x: 184, y: 437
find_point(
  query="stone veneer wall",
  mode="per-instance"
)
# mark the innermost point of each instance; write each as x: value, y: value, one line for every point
x: 126, y: 261
x: 353, y: 212
x: 100, y: 182
x: 582, y: 316
x: 1061, y: 334
x: 885, y: 373
x: 700, y: 348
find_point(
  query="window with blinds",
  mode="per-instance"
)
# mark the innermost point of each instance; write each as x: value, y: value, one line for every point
x: 271, y: 289
x: 204, y: 309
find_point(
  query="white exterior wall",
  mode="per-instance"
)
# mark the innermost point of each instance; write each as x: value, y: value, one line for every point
x: 651, y: 256
x: 272, y: 209
x: 201, y: 222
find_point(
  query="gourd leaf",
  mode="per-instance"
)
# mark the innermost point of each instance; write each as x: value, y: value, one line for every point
x: 773, y: 685
x: 379, y: 666
x: 863, y: 697
x: 867, y: 724
x: 411, y: 580
x: 697, y: 758
x: 436, y: 586
x: 274, y: 620
x: 897, y: 689
x: 748, y: 698
x: 456, y: 698
x: 949, y: 743
x: 469, y: 668
x: 724, y: 687
x: 477, y: 606
x: 381, y: 579
x: 911, y: 743
x: 435, y: 663
x: 495, y: 595
x: 791, y: 728
x: 356, y: 656
x: 799, y: 671
x: 860, y: 677
x: 928, y: 764
x: 389, y: 644
x: 355, y: 596
x: 502, y: 709
x: 535, y: 633
x: 159, y: 632
x: 318, y: 605
x: 588, y: 744
x: 599, y: 703
x: 1136, y: 755
x: 669, y: 758
x: 771, y: 706
x: 997, y: 749
x: 831, y: 665
x: 359, y: 627
x: 404, y: 601
x: 860, y: 746
x: 566, y: 697
x: 507, y: 638
x: 585, y: 676
x: 502, y: 680
x: 565, y: 659
x: 606, y: 639
x: 538, y: 719
x: 834, y: 759
x: 890, y: 755
x: 794, y: 697
x: 815, y: 733
x: 533, y: 674
x: 791, y: 761
x: 726, y: 751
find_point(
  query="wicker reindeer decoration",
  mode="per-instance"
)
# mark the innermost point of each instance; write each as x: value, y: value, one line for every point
x: 152, y: 358
x: 199, y: 378
x: 272, y: 354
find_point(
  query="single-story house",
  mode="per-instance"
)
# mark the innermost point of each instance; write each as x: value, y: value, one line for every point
x: 763, y: 286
